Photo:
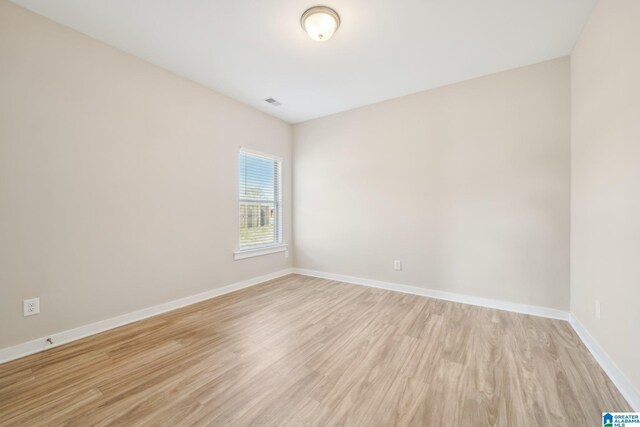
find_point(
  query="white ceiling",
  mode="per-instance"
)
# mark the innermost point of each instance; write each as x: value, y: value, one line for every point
x: 255, y: 49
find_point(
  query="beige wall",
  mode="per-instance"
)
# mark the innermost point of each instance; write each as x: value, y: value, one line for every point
x: 605, y: 179
x: 117, y: 180
x: 468, y: 185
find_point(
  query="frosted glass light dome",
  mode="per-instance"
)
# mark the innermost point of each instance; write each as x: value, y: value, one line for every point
x: 320, y: 23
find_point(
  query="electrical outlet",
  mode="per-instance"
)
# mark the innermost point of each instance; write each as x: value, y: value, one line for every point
x: 397, y: 265
x: 31, y: 306
x: 597, y: 309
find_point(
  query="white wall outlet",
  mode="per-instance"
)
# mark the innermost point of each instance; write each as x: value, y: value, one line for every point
x: 597, y: 309
x: 31, y: 306
x: 397, y: 265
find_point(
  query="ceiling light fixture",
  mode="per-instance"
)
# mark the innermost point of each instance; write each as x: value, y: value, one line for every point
x: 320, y: 22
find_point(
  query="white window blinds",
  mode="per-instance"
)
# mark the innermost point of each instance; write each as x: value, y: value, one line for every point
x: 260, y: 200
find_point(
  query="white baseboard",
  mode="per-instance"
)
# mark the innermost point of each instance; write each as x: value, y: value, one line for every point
x: 617, y: 377
x: 64, y: 337
x: 448, y: 296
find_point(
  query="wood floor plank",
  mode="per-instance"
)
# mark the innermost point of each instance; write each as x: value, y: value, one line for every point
x: 301, y: 351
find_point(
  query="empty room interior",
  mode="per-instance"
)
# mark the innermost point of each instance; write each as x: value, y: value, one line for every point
x: 337, y: 213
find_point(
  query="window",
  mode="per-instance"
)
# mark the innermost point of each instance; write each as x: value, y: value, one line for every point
x: 260, y: 202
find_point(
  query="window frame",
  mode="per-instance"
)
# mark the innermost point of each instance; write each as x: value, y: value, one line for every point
x: 270, y: 248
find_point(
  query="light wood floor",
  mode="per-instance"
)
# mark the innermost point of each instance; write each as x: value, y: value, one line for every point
x: 303, y: 351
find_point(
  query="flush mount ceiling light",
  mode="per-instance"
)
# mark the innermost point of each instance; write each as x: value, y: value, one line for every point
x: 320, y: 22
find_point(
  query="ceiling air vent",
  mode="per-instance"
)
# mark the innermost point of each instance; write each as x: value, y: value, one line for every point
x: 273, y: 102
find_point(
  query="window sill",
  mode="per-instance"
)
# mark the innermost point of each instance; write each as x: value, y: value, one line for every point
x: 250, y: 253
